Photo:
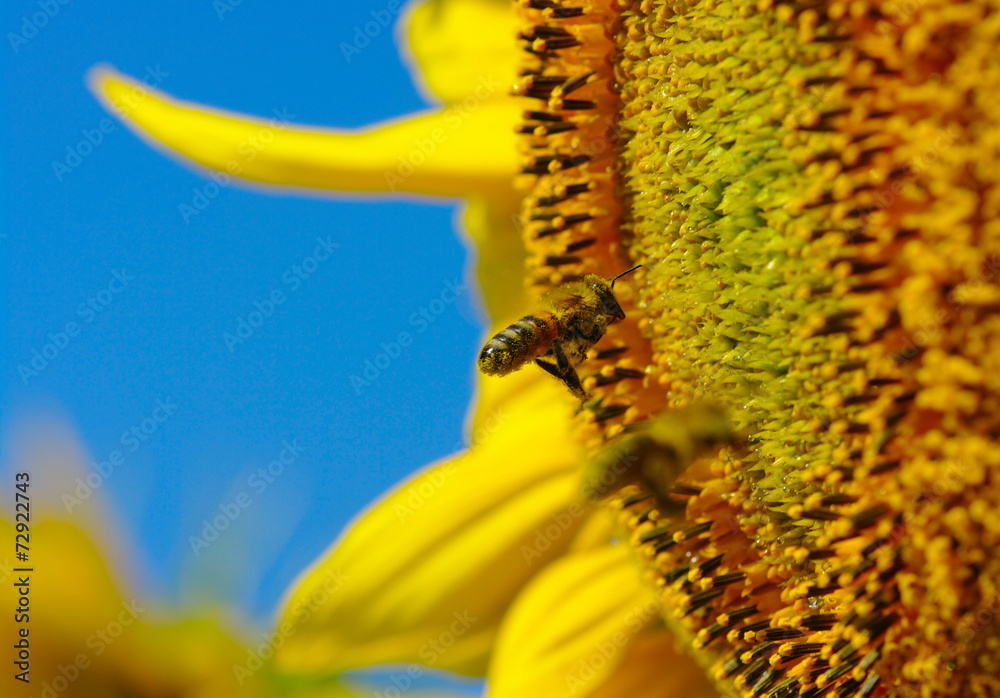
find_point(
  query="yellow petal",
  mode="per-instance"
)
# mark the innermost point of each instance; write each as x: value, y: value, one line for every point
x: 85, y: 639
x: 455, y: 44
x: 426, y: 574
x: 600, y: 528
x: 457, y: 150
x: 69, y: 611
x: 571, y: 626
x: 499, y: 250
x: 653, y: 668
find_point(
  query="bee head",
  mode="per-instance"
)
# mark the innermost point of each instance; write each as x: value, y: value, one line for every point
x: 608, y: 304
x: 606, y: 294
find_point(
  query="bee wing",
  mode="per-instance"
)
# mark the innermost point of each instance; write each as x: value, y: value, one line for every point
x: 562, y: 298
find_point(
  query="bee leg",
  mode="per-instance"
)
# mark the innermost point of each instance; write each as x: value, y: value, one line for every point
x: 596, y: 332
x: 569, y: 378
x: 564, y: 371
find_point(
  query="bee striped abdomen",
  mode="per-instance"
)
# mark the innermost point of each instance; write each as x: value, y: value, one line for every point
x: 523, y: 341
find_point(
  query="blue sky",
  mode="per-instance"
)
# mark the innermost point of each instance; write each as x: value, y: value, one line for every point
x: 136, y: 299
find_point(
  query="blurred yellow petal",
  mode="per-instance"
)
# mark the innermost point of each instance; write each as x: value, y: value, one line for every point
x: 457, y: 150
x: 454, y: 44
x: 83, y: 638
x: 653, y: 668
x: 571, y: 626
x: 69, y: 611
x: 426, y: 575
x: 499, y: 251
x: 599, y: 528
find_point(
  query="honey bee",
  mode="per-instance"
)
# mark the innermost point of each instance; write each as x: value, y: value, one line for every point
x: 569, y: 321
x: 655, y: 454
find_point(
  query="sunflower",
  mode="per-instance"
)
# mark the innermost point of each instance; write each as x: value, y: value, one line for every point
x: 72, y: 632
x: 812, y: 190
x: 76, y: 631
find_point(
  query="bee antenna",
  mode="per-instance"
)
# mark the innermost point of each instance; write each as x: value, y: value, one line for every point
x: 627, y: 271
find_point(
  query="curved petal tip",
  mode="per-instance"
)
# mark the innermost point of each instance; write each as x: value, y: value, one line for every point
x: 454, y: 151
